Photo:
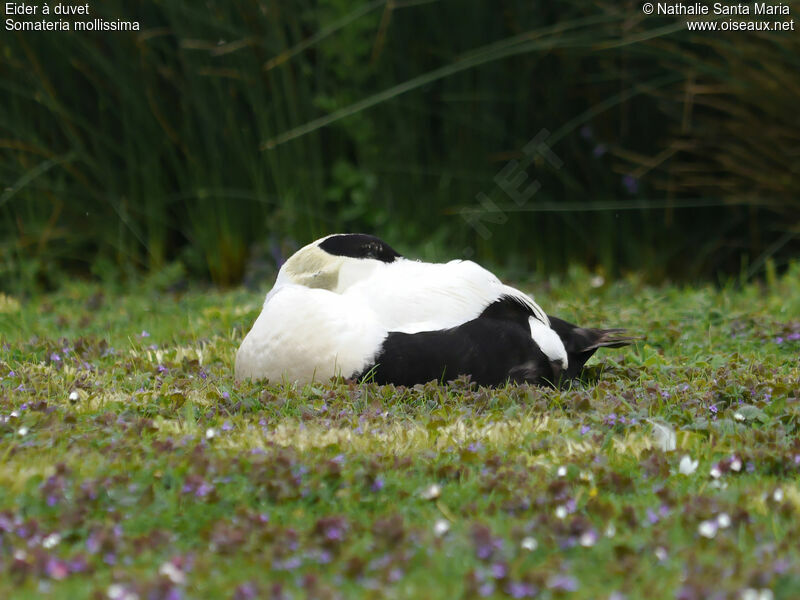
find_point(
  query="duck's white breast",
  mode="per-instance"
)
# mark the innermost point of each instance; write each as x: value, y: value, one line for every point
x: 305, y: 334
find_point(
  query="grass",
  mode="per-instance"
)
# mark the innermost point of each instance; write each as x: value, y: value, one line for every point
x: 131, y: 463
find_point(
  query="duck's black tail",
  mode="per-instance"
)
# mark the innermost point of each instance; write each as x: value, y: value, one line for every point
x: 582, y: 342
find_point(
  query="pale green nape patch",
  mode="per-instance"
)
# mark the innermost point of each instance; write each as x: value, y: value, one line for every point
x: 313, y: 268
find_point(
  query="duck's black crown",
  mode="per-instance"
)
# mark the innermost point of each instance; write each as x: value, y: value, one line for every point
x: 359, y: 245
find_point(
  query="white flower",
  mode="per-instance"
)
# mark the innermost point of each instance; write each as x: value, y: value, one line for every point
x: 738, y: 416
x: 432, y: 492
x: 588, y: 539
x: 664, y: 437
x: 562, y: 471
x: 723, y: 520
x: 611, y: 531
x: 173, y: 573
x: 530, y: 544
x: 441, y: 527
x: 754, y: 594
x: 210, y: 433
x: 118, y: 592
x: 51, y: 541
x: 73, y: 396
x: 23, y: 431
x: 715, y: 472
x: 777, y: 495
x: 13, y: 414
x: 708, y: 529
x: 661, y: 554
x: 561, y: 512
x: 688, y: 466
x: 736, y: 465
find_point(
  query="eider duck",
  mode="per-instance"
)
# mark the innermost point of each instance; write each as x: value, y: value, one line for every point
x: 350, y: 305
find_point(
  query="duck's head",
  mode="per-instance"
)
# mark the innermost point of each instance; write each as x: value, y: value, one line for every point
x: 337, y: 261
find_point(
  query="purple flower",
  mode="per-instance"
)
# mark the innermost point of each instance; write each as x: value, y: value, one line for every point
x: 226, y: 396
x: 162, y: 369
x: 290, y: 564
x: 144, y: 334
x: 246, y: 591
x: 499, y: 570
x: 519, y: 589
x: 599, y: 150
x: 486, y: 589
x: 781, y: 566
x: 174, y: 593
x: 586, y: 132
x: 630, y: 183
x: 55, y: 357
x: 78, y: 565
x: 334, y: 533
x: 203, y: 374
x: 56, y: 569
x: 562, y: 583
x: 585, y: 429
x: 378, y: 484
x: 203, y: 490
x: 779, y: 340
x: 226, y: 426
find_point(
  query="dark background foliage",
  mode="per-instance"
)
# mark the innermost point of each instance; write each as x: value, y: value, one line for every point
x: 225, y: 134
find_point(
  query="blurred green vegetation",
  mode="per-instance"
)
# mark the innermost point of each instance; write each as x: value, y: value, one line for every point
x: 225, y: 134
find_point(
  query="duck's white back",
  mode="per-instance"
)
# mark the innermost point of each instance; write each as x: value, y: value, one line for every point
x: 412, y: 296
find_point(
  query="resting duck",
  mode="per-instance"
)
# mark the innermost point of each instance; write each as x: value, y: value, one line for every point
x: 350, y: 305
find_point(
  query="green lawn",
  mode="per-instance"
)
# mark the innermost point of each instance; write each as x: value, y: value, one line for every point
x: 131, y: 464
